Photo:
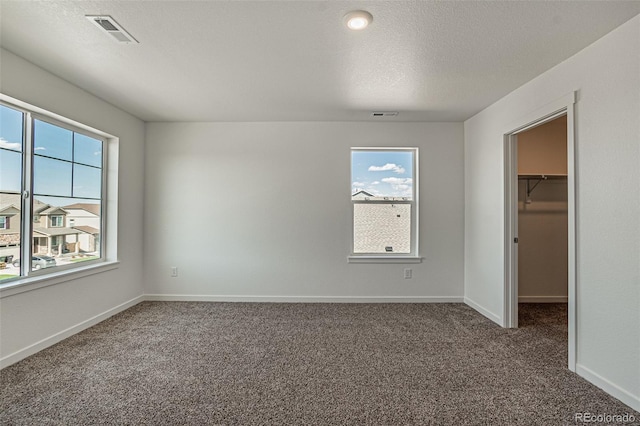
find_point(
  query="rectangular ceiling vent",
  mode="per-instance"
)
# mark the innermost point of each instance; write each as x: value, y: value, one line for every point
x: 109, y: 25
x: 384, y: 114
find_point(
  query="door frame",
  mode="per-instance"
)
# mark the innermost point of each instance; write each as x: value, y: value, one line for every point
x: 558, y: 108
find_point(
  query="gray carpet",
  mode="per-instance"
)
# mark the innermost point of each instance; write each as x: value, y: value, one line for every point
x: 247, y: 363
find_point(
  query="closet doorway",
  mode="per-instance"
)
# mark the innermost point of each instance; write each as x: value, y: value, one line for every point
x: 540, y: 237
x: 542, y: 213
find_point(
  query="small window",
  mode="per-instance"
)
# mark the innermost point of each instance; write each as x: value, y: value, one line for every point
x: 384, y: 202
x: 57, y: 221
x: 4, y: 222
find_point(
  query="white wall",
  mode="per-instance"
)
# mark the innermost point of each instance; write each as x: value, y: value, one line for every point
x: 34, y: 319
x: 542, y: 242
x: 261, y: 211
x: 607, y: 78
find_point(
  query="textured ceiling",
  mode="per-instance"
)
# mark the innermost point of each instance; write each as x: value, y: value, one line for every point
x: 295, y: 60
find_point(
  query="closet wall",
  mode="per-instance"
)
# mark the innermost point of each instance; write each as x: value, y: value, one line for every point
x: 542, y: 213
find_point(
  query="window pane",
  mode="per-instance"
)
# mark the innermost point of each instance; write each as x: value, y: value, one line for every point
x: 87, y: 150
x: 381, y: 228
x: 68, y: 231
x: 11, y: 144
x: 51, y: 177
x: 52, y: 141
x: 10, y: 208
x: 382, y: 173
x: 11, y: 127
x: 10, y: 171
x: 87, y: 181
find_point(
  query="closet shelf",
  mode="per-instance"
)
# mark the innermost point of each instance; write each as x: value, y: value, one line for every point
x: 542, y: 176
x: 537, y: 178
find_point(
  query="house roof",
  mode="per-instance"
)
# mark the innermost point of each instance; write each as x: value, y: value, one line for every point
x: 87, y: 229
x: 52, y: 210
x: 362, y: 193
x: 91, y: 208
x: 54, y: 232
x: 10, y: 201
x: 9, y: 210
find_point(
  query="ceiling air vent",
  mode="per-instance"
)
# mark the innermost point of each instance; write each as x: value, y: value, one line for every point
x: 109, y: 25
x: 384, y: 114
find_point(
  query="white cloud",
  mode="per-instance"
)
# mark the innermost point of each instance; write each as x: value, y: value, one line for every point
x: 358, y: 184
x: 10, y: 145
x: 397, y: 181
x: 388, y: 167
x: 402, y: 187
x: 375, y: 183
x: 40, y: 148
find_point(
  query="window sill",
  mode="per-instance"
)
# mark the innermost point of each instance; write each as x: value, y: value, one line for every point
x: 384, y: 259
x: 33, y: 283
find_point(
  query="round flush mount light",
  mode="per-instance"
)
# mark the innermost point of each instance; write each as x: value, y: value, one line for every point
x: 358, y: 19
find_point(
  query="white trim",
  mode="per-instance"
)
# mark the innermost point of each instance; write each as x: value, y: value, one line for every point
x: 561, y: 106
x: 31, y: 280
x: 542, y: 115
x: 484, y: 311
x: 572, y: 216
x: 510, y: 307
x: 543, y: 299
x: 300, y: 299
x: 384, y: 259
x: 58, y: 337
x: 27, y: 107
x: 612, y: 389
x: 414, y: 203
x: 12, y: 288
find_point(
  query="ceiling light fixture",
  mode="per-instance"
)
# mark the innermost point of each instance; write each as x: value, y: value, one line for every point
x: 358, y: 19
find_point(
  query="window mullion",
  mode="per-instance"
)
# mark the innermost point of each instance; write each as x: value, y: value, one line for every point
x: 27, y: 196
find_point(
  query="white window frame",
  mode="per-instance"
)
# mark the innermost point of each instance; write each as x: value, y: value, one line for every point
x: 3, y: 224
x: 413, y: 256
x: 30, y: 280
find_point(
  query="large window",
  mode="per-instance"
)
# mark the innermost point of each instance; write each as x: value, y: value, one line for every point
x: 50, y: 173
x: 384, y: 203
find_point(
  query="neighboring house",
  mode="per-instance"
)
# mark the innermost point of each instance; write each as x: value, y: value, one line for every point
x: 51, y: 233
x: 85, y: 218
x: 361, y: 195
x: 9, y: 228
x: 381, y: 227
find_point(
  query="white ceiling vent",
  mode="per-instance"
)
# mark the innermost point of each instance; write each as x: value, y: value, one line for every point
x: 109, y: 25
x: 384, y: 114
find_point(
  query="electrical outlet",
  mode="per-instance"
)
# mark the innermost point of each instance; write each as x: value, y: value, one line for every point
x: 174, y: 271
x: 408, y: 273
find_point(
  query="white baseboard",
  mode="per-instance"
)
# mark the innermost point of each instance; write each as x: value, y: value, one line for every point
x: 612, y: 389
x: 299, y: 299
x: 543, y: 299
x: 52, y: 340
x: 487, y: 313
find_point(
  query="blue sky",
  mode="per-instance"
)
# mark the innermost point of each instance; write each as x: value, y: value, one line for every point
x: 382, y: 173
x: 66, y: 164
